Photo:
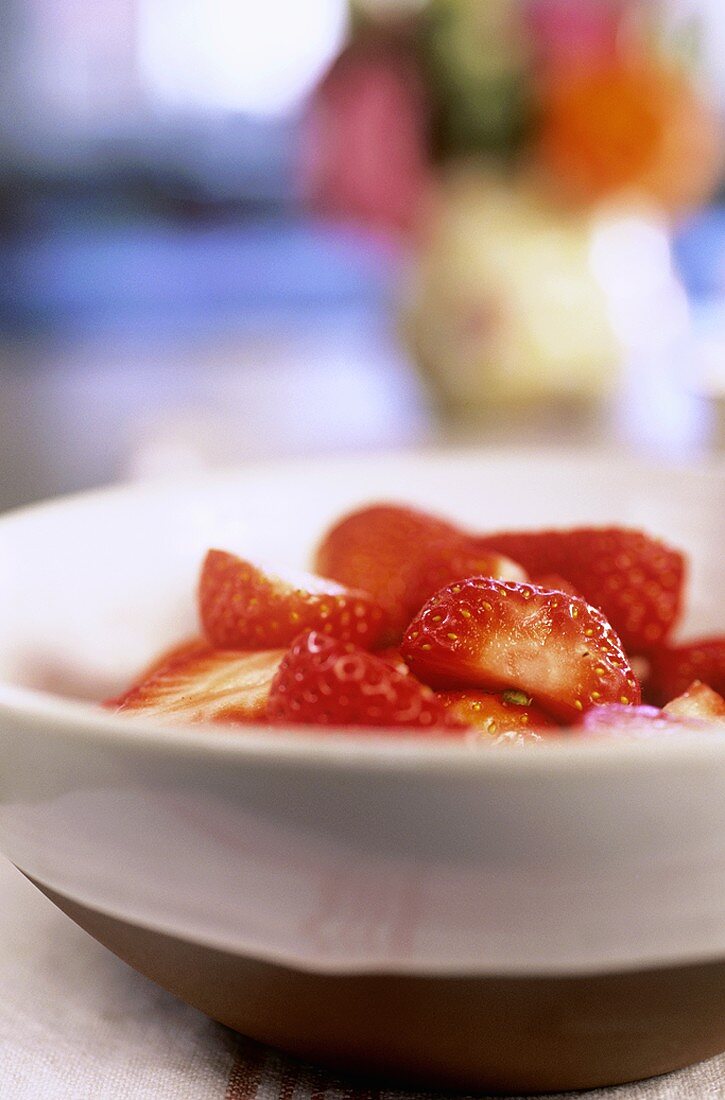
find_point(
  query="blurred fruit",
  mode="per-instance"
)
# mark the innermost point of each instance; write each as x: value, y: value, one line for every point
x: 628, y: 125
x: 503, y: 307
x: 673, y: 668
x: 365, y: 152
x: 476, y: 57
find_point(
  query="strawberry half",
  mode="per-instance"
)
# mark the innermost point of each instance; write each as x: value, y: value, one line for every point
x: 326, y: 682
x: 492, y: 715
x: 696, y: 708
x: 674, y: 668
x: 242, y: 607
x: 208, y: 685
x: 498, y: 635
x: 175, y: 655
x: 635, y: 580
x: 638, y: 722
x: 167, y: 659
x: 402, y: 556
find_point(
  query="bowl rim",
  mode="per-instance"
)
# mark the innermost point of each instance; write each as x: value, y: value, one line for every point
x: 346, y: 748
x: 359, y: 751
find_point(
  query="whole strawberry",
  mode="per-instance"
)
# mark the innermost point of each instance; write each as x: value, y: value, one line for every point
x: 322, y: 681
x: 401, y: 556
x: 634, y: 579
x: 498, y: 635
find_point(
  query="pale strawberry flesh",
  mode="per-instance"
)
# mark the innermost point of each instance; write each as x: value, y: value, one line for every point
x: 699, y: 701
x: 208, y: 686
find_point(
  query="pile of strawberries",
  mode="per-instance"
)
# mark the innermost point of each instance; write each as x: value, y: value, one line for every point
x: 412, y: 624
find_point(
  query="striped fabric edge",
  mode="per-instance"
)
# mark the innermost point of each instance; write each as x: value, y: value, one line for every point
x: 261, y: 1073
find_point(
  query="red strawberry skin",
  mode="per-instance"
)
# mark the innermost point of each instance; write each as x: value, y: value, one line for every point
x: 207, y: 685
x: 402, y: 556
x: 674, y: 668
x: 326, y: 682
x: 493, y: 715
x: 242, y: 607
x: 393, y: 657
x: 496, y: 635
x: 635, y: 580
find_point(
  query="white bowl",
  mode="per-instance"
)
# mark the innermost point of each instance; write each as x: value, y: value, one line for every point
x: 337, y: 855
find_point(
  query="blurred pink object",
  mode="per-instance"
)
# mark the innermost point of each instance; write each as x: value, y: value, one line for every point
x: 365, y: 156
x: 575, y: 31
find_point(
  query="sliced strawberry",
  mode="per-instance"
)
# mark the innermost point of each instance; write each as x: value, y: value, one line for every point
x: 635, y: 580
x: 697, y: 708
x: 211, y: 685
x: 325, y: 682
x: 699, y: 701
x: 498, y: 635
x: 242, y: 607
x: 402, y: 556
x: 492, y: 715
x: 673, y: 668
x: 175, y: 655
x: 614, y: 720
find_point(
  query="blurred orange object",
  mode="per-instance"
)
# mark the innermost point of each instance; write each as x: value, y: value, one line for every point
x: 634, y: 125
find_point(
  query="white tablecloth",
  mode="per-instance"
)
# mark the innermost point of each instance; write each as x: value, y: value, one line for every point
x: 78, y: 1024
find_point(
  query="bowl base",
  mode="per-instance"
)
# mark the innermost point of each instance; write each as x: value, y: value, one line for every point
x: 493, y: 1034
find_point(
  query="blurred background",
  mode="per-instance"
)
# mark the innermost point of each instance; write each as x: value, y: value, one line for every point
x: 234, y: 229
